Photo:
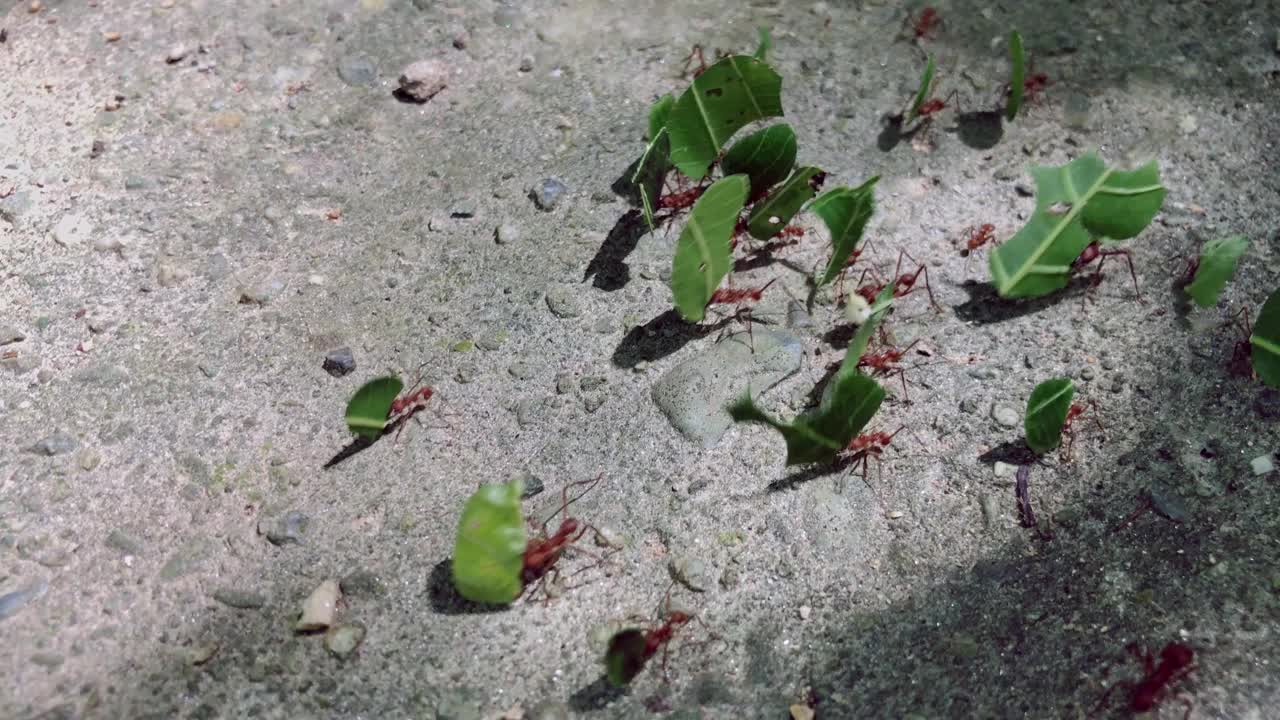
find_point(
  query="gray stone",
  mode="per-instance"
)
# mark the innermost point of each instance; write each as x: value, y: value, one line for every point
x: 969, y: 405
x: 357, y: 70
x: 691, y: 572
x: 593, y: 401
x: 526, y: 63
x: 797, y: 316
x: 186, y: 559
x: 362, y: 583
x: 532, y: 483
x: 548, y: 193
x: 1005, y: 415
x: 124, y: 542
x: 72, y: 231
x: 506, y: 233
x: 566, y: 383
x: 423, y: 80
x: 342, y: 640
x: 12, y: 602
x: 693, y: 394
x: 530, y: 411
x: 240, y: 599
x: 593, y: 382
x: 10, y: 334
x: 1166, y: 504
x: 286, y: 529
x: 548, y: 710
x: 563, y: 302
x: 261, y: 293
x: 339, y: 362
x: 59, y: 443
x: 523, y: 370
x: 1087, y: 373
x: 983, y: 372
x: 176, y: 53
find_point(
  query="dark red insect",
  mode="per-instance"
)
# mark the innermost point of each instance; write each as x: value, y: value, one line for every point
x: 926, y: 24
x: 866, y: 445
x: 1241, y: 363
x: 541, y: 553
x: 636, y: 647
x: 976, y: 237
x: 1075, y: 411
x: 1034, y: 85
x: 791, y: 231
x: 1093, y: 251
x: 885, y: 362
x: 695, y: 54
x: 742, y: 298
x: 904, y: 283
x: 1175, y: 663
x: 408, y: 405
x: 682, y: 199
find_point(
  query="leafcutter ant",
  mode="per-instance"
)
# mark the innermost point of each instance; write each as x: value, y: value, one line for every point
x: 903, y: 283
x: 1241, y: 363
x: 885, y: 362
x: 1093, y: 251
x: 1175, y: 663
x: 1073, y: 412
x: 865, y: 446
x: 630, y: 650
x: 741, y: 298
x: 923, y: 26
x: 541, y: 553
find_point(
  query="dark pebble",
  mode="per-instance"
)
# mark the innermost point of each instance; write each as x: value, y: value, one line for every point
x: 339, y: 362
x: 548, y: 193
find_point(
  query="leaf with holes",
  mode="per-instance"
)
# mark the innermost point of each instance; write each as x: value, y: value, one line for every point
x: 651, y: 170
x: 1046, y: 412
x: 1217, y: 264
x: 922, y: 94
x: 1074, y: 203
x: 735, y: 91
x: 770, y: 215
x: 488, y: 554
x: 368, y: 408
x: 1018, y: 60
x: 703, y: 250
x: 766, y: 156
x: 817, y: 435
x: 1266, y: 341
x: 845, y: 211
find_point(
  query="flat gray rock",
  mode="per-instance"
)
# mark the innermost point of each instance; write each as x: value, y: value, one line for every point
x: 694, y: 393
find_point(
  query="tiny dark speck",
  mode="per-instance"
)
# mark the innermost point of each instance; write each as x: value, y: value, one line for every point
x: 715, y: 92
x: 4, y: 34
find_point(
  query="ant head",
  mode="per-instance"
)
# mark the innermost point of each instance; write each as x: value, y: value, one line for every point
x: 1177, y: 654
x: 568, y: 527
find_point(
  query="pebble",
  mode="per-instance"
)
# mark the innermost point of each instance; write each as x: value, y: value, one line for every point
x: 108, y: 244
x: 240, y: 599
x: 1262, y: 464
x: 548, y: 193
x: 283, y: 530
x: 805, y: 612
x: 1167, y: 505
x: 72, y: 230
x: 320, y: 607
x: 460, y: 39
x: 59, y: 443
x: 176, y: 53
x: 983, y: 372
x: 526, y: 63
x: 262, y: 292
x: 357, y: 70
x: 548, y: 710
x: 1005, y: 416
x: 10, y: 334
x: 797, y: 316
x: 12, y: 602
x: 1188, y: 124
x: 609, y: 537
x: 969, y: 405
x: 343, y: 640
x: 339, y: 362
x: 730, y: 578
x: 1004, y: 470
x: 531, y: 483
x: 170, y: 275
x: 423, y: 79
x: 506, y: 233
x: 523, y: 370
x: 566, y: 383
x: 990, y: 507
x: 493, y: 340
x: 124, y: 542
x: 593, y: 402
x: 362, y: 583
x: 691, y: 572
x: 563, y: 302
x: 1087, y: 373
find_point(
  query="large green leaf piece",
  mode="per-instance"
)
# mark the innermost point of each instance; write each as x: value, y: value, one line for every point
x: 1074, y: 203
x: 926, y: 84
x: 766, y: 156
x: 1266, y: 341
x: 703, y: 250
x: 1218, y: 260
x: 770, y: 215
x: 735, y: 91
x: 489, y: 553
x: 651, y: 170
x: 625, y: 657
x: 845, y: 211
x: 368, y: 408
x: 1017, y: 77
x: 817, y: 435
x: 1046, y: 412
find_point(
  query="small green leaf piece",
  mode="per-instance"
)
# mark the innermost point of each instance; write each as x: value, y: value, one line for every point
x: 659, y: 113
x: 1073, y: 203
x: 766, y: 44
x: 926, y: 84
x: 651, y: 170
x: 1046, y: 412
x: 1266, y: 341
x: 625, y: 657
x: 845, y: 211
x: 817, y: 435
x: 703, y: 251
x: 1017, y: 77
x: 766, y: 156
x: 862, y: 338
x: 489, y: 553
x: 770, y: 215
x: 735, y: 91
x: 368, y: 408
x: 1216, y: 266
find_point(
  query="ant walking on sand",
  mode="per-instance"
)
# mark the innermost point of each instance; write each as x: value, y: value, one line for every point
x: 630, y: 650
x: 409, y: 404
x: 885, y: 362
x: 1241, y: 363
x: 1075, y: 411
x: 922, y: 27
x: 742, y: 298
x: 542, y: 552
x: 863, y: 447
x: 1175, y: 664
x: 903, y: 284
x: 1093, y: 251
x: 975, y: 237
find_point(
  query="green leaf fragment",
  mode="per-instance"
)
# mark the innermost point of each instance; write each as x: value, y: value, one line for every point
x: 659, y: 113
x: 1017, y: 77
x: 1046, y: 412
x: 766, y: 156
x: 819, y: 434
x: 368, y: 408
x: 488, y: 555
x: 625, y: 656
x: 1217, y: 265
x: 766, y: 44
x: 651, y: 170
x: 703, y: 251
x: 733, y: 92
x: 1265, y: 340
x: 770, y: 215
x: 862, y: 338
x: 1073, y: 203
x: 845, y: 211
x: 926, y: 84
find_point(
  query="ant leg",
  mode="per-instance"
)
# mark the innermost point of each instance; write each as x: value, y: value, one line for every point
x: 1132, y: 275
x: 1144, y: 505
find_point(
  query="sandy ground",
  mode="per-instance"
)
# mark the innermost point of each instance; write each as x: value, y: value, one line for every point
x: 196, y: 210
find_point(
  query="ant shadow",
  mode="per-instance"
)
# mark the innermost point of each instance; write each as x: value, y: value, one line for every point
x: 985, y: 305
x: 444, y: 596
x: 362, y: 443
x: 1011, y: 452
x: 596, y: 696
x: 980, y: 129
x: 805, y: 475
x: 660, y: 337
x: 609, y: 268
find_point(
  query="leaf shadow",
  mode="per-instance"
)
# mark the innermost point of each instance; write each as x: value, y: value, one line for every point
x: 596, y: 696
x: 1013, y: 452
x: 362, y: 443
x: 980, y: 129
x: 445, y: 599
x: 807, y: 474
x: 891, y: 133
x: 986, y: 306
x: 660, y: 337
x: 609, y: 268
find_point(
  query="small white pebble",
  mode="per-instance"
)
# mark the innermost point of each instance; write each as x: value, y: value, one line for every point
x: 805, y: 612
x: 894, y: 515
x: 315, y: 279
x: 1262, y: 465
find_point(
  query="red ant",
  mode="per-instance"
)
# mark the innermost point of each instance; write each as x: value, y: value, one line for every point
x: 1241, y: 363
x: 885, y: 363
x: 903, y: 284
x: 1075, y: 411
x: 740, y: 297
x: 864, y: 446
x: 408, y: 405
x: 634, y: 648
x: 976, y: 237
x: 1175, y: 664
x: 1093, y: 251
x: 1034, y: 85
x: 926, y: 24
x: 542, y: 552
